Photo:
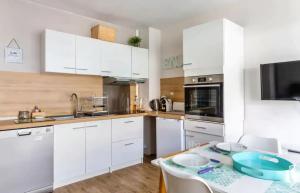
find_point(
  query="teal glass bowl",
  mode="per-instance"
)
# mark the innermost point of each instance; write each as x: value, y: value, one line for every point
x: 263, y: 166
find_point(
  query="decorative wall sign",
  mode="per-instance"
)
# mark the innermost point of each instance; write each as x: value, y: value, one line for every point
x: 173, y: 62
x: 13, y: 53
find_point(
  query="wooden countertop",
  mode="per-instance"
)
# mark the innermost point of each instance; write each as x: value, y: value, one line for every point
x: 10, y: 124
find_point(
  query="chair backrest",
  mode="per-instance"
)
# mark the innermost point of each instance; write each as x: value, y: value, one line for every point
x: 261, y: 143
x: 178, y: 182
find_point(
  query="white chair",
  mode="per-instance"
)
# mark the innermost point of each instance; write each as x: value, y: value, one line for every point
x: 178, y: 182
x: 271, y: 145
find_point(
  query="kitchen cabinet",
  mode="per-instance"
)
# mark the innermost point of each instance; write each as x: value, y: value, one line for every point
x: 201, y: 132
x: 81, y: 150
x: 169, y: 136
x: 139, y: 63
x: 69, y: 151
x: 127, y: 142
x: 205, y: 127
x: 203, y: 48
x: 127, y: 128
x: 194, y: 139
x: 59, y: 52
x: 88, y: 56
x: 98, y: 146
x: 217, y: 47
x: 116, y: 60
x: 127, y: 151
x: 67, y: 53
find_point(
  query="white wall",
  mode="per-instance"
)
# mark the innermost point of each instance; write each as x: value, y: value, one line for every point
x: 25, y: 21
x: 272, y: 34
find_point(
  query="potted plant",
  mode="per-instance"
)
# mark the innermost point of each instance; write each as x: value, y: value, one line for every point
x: 135, y: 41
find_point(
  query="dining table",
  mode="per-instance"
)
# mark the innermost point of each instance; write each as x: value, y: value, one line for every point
x: 226, y: 179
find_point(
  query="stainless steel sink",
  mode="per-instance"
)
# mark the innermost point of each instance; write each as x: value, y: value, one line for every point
x: 63, y: 117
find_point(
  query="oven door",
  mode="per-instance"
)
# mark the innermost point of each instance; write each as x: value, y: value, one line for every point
x: 204, y: 100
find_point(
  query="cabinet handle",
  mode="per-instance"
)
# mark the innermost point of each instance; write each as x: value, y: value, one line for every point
x: 128, y: 121
x: 198, y: 127
x: 70, y: 68
x: 76, y: 128
x: 105, y: 71
x: 191, y: 136
x: 81, y: 69
x: 24, y: 133
x: 136, y: 73
x: 127, y: 144
x: 187, y: 64
x: 91, y: 126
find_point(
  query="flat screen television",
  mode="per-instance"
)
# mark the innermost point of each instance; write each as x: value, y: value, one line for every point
x: 280, y: 81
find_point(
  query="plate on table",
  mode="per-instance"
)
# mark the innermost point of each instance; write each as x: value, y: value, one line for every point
x: 229, y: 147
x: 190, y: 160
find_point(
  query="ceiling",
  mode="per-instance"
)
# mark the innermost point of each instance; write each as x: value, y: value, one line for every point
x: 137, y: 12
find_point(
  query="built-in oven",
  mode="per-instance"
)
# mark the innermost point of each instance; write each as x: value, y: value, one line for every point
x: 204, y: 97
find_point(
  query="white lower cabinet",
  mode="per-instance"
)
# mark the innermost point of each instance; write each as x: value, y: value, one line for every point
x: 127, y: 128
x: 127, y: 151
x: 195, y: 138
x: 98, y: 146
x: 127, y: 138
x: 84, y: 150
x: 81, y: 150
x: 201, y: 132
x: 69, y: 151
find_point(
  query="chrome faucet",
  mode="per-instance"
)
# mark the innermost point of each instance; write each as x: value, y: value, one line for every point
x: 74, y: 99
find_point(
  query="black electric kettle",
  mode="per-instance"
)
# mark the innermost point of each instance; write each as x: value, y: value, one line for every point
x: 154, y: 104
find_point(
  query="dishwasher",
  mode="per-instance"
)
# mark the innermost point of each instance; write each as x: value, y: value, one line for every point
x: 26, y: 163
x: 169, y: 136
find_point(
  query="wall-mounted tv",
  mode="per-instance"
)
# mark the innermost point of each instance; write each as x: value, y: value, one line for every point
x: 280, y: 81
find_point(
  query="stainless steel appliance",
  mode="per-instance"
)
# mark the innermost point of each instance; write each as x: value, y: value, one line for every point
x: 154, y: 104
x: 204, y: 97
x: 26, y: 162
x: 21, y: 121
x: 94, y: 106
x: 23, y: 115
x: 165, y: 104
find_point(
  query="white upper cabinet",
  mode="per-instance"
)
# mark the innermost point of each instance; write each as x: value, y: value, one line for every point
x: 140, y: 62
x: 116, y: 60
x: 60, y: 51
x: 203, y: 49
x: 88, y: 55
x: 67, y: 53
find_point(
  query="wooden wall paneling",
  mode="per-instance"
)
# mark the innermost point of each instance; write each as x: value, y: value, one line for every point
x: 51, y: 92
x: 172, y: 88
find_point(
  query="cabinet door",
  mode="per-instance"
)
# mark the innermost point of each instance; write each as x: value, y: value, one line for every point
x: 116, y: 60
x: 127, y: 128
x: 126, y: 151
x: 69, y: 151
x: 88, y: 55
x: 59, y: 52
x: 139, y: 62
x: 98, y: 146
x: 195, y: 138
x: 203, y: 48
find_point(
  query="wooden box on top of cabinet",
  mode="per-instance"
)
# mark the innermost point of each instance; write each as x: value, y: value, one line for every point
x: 104, y: 33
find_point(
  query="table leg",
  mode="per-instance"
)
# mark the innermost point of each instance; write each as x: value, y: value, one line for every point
x: 162, y: 187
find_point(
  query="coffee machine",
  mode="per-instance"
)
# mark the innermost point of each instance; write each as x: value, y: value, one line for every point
x: 165, y: 104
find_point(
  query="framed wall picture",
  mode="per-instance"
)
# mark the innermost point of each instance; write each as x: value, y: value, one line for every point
x: 13, y: 54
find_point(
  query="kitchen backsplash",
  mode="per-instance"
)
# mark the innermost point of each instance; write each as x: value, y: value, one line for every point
x: 51, y: 92
x: 172, y: 88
